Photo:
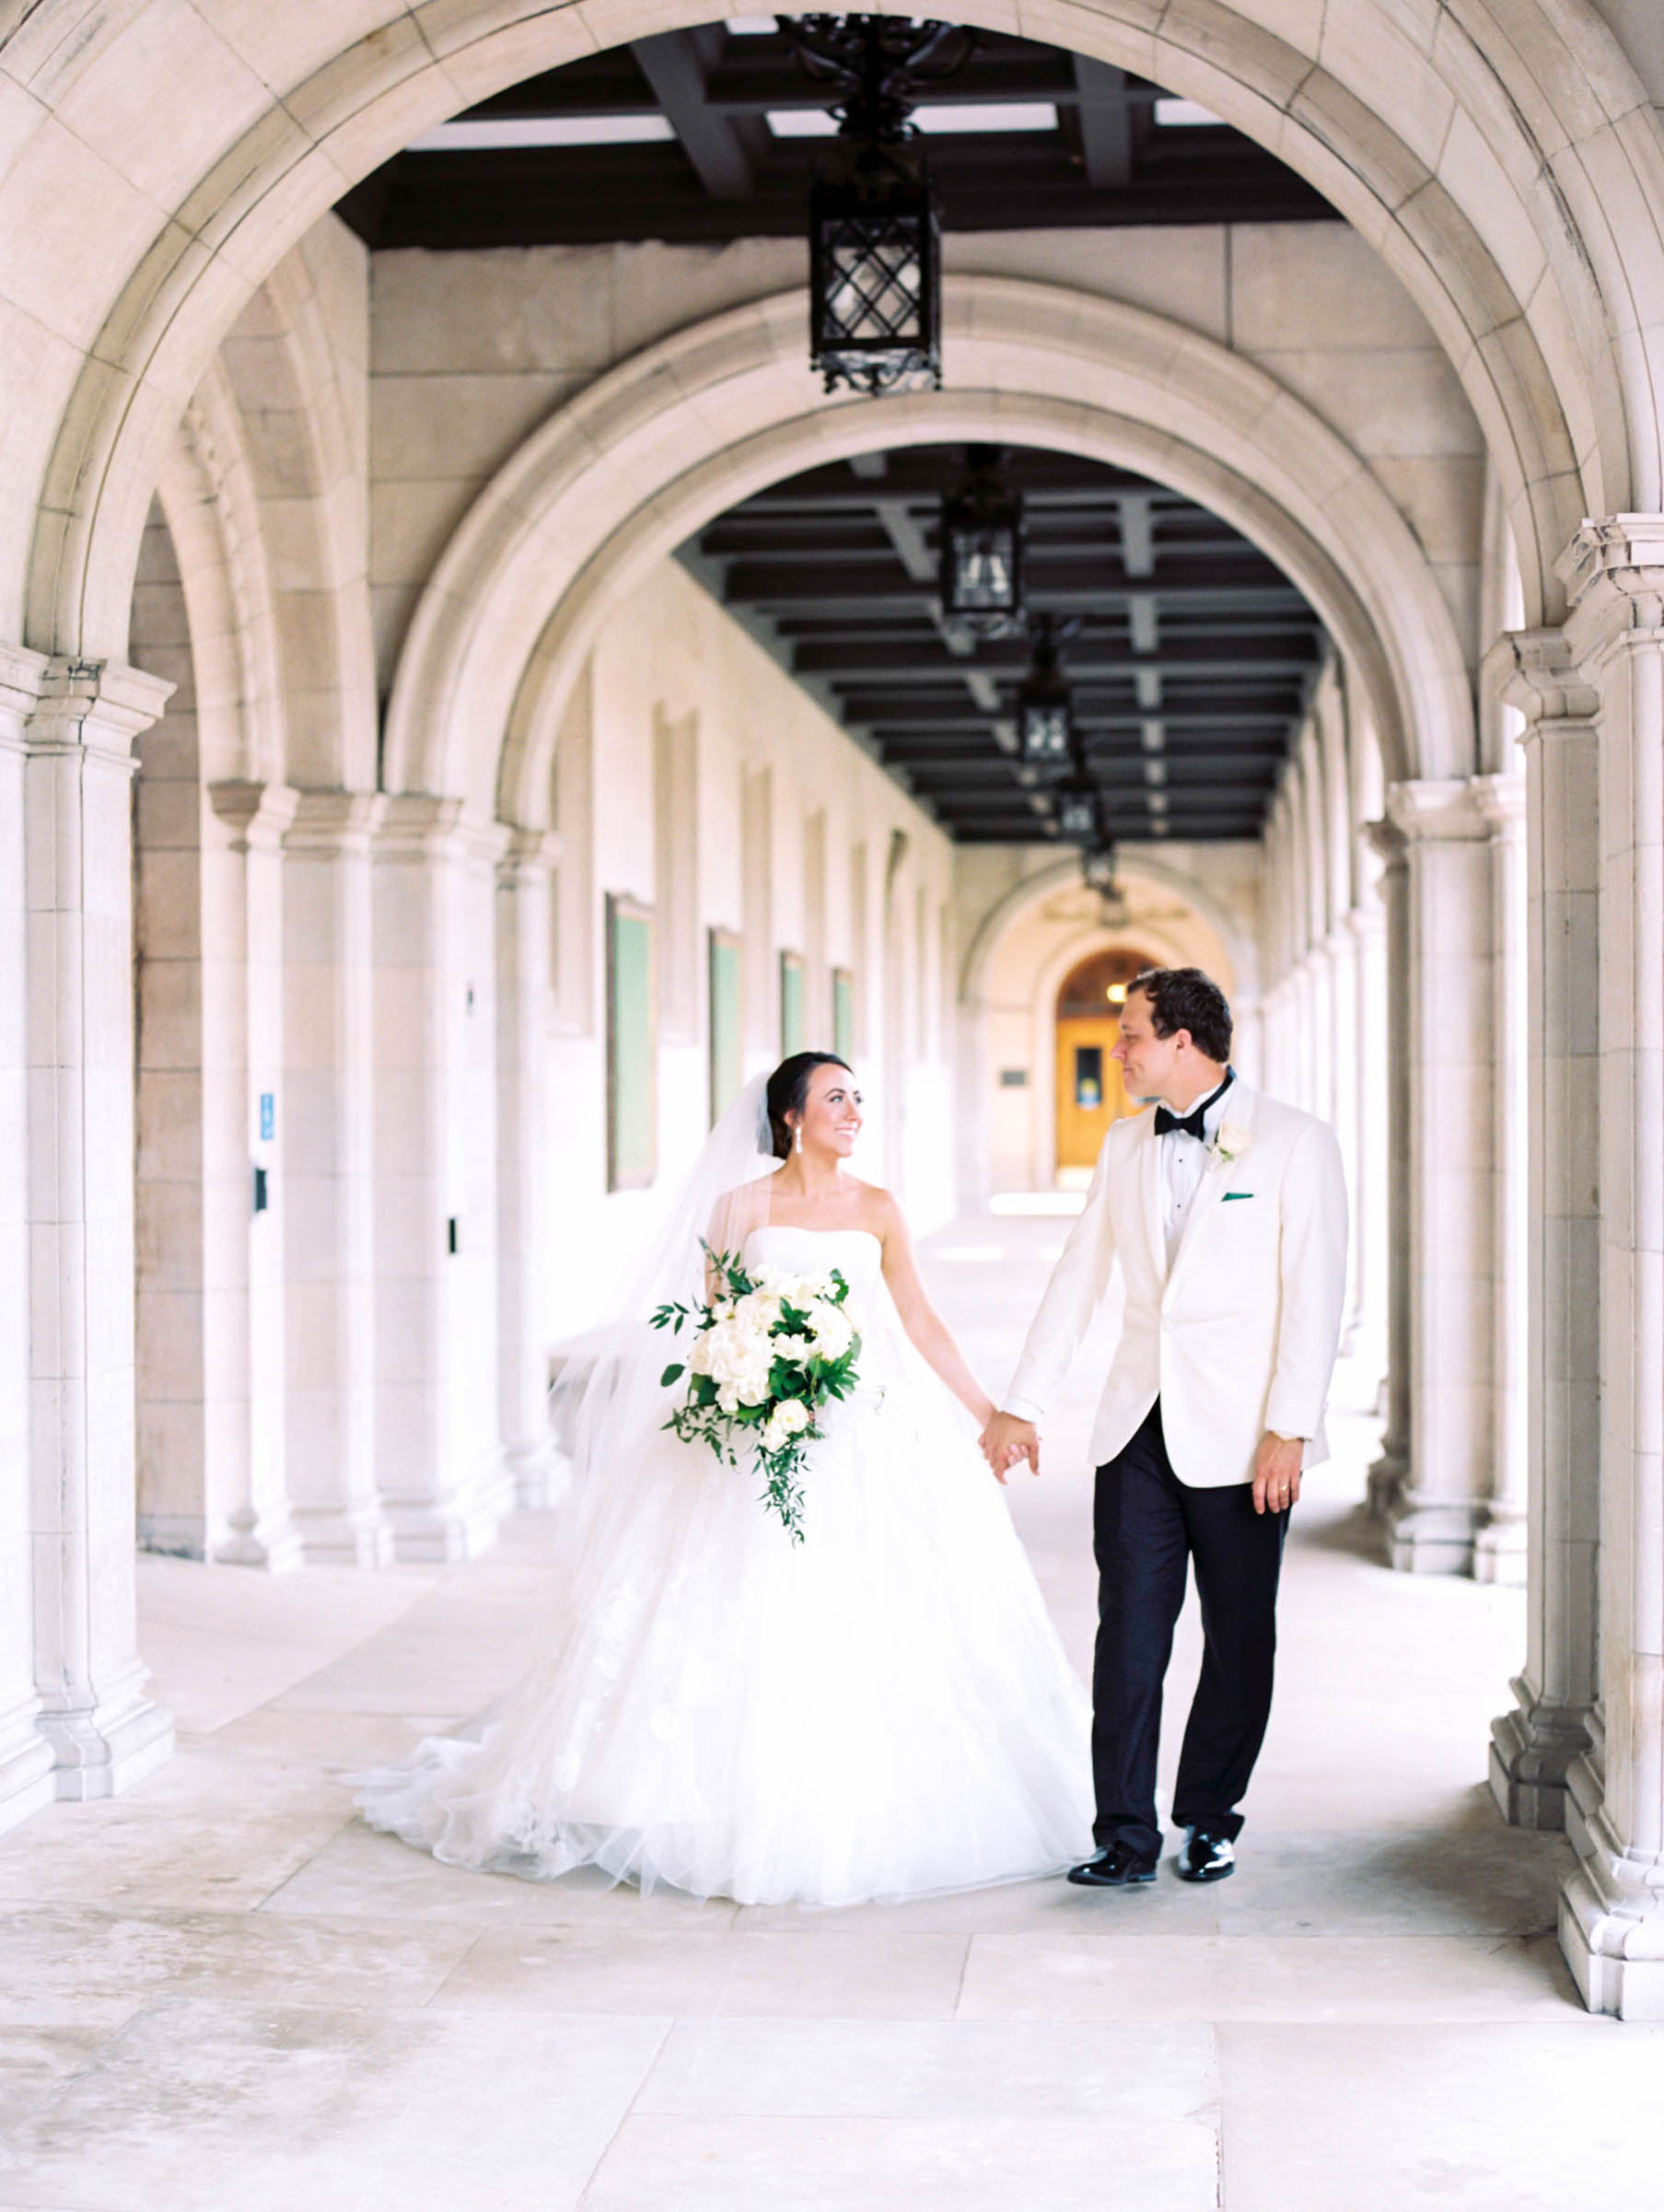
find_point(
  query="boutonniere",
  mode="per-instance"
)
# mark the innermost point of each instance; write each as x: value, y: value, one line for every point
x: 1229, y: 1144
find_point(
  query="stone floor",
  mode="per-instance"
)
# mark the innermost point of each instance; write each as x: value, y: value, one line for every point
x: 222, y: 1994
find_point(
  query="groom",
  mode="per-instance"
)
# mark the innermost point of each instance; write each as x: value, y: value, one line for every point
x: 1227, y: 1213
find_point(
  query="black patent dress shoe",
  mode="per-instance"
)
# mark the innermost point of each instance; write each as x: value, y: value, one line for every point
x: 1205, y: 1856
x: 1116, y: 1867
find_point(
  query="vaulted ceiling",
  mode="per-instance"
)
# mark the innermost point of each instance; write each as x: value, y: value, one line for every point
x: 1190, y: 672
x: 693, y: 136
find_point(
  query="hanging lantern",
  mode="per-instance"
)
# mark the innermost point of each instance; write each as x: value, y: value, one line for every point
x: 1098, y: 870
x: 1045, y: 719
x: 982, y: 550
x: 1078, y: 813
x: 875, y: 234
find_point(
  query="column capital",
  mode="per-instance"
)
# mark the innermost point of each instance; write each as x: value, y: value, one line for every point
x: 259, y: 815
x: 1536, y: 673
x: 22, y: 674
x: 94, y: 706
x: 1455, y: 809
x: 415, y: 822
x: 332, y: 821
x: 529, y: 857
x: 1614, y: 574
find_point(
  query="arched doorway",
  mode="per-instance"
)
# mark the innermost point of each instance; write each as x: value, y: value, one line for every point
x: 1090, y: 1091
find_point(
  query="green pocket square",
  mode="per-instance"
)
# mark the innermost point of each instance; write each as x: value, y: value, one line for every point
x: 1230, y: 1195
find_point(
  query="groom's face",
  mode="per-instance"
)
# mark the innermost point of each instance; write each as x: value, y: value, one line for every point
x: 1148, y: 1061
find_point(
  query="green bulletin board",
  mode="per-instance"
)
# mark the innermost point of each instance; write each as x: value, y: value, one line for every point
x: 791, y: 1004
x: 843, y: 1014
x: 632, y: 1048
x: 727, y: 1033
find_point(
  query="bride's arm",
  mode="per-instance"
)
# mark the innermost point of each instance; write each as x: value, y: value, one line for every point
x: 923, y: 1323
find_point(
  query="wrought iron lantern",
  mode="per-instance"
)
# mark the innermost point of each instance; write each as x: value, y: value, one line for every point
x: 875, y: 234
x: 982, y: 550
x: 1098, y: 870
x: 1079, y: 812
x: 1045, y: 717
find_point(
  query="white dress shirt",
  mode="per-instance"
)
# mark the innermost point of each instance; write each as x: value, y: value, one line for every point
x: 1184, y: 1159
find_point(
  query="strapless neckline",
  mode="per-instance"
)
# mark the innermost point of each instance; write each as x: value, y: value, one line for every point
x: 793, y: 1228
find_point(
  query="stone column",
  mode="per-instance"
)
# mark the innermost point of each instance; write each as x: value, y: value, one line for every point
x: 1611, y: 1920
x: 524, y: 983
x: 1390, y: 1473
x: 242, y: 906
x: 440, y: 1473
x: 1453, y: 834
x: 1365, y: 1336
x: 1500, y: 1541
x: 324, y: 1153
x: 104, y: 1730
x: 26, y: 1757
x: 1533, y: 1745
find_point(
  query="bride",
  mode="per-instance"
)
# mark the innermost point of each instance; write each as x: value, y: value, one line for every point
x: 882, y: 1711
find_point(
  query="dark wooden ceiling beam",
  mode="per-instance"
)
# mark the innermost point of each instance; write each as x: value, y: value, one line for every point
x: 711, y: 139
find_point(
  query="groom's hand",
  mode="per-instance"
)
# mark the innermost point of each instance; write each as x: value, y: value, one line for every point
x: 1008, y: 1440
x: 1277, y: 1472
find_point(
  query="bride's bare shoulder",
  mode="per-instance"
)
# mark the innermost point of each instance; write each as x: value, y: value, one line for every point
x: 877, y: 1208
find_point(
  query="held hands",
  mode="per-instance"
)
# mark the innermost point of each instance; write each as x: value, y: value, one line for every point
x: 1007, y: 1439
x: 1277, y: 1472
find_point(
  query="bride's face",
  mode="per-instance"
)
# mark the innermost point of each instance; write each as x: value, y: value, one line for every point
x: 832, y: 1112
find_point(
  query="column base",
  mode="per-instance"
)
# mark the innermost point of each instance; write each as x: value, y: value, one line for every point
x: 26, y: 1768
x: 1385, y: 1481
x: 343, y: 1536
x: 441, y: 1531
x: 1611, y: 1924
x: 1532, y: 1748
x: 540, y: 1473
x: 1432, y: 1536
x: 99, y: 1752
x: 1499, y: 1549
x: 269, y: 1542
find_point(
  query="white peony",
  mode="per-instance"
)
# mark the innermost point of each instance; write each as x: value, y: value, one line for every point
x: 830, y: 1330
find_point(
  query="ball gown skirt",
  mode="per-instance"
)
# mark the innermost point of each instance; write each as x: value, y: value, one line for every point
x: 884, y: 1711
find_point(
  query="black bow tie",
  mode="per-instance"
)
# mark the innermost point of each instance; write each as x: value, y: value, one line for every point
x: 1190, y: 1123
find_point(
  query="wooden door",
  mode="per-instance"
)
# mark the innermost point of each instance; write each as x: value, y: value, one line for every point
x: 1091, y: 1093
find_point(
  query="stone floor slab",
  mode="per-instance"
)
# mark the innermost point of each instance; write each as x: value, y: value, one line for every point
x: 845, y: 2165
x: 58, y: 1956
x: 1433, y: 1978
x: 1155, y: 2077
x: 1492, y: 2119
x: 1497, y: 1882
x: 206, y: 2107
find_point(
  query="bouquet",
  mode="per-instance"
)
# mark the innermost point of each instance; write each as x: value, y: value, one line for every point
x: 769, y: 1350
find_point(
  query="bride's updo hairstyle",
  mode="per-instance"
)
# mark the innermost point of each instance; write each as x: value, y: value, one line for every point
x: 788, y: 1093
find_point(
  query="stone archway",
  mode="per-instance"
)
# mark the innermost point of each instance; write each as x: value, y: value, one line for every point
x: 1451, y: 146
x: 1043, y: 366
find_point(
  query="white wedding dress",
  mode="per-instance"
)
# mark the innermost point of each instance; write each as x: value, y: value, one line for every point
x: 882, y: 1711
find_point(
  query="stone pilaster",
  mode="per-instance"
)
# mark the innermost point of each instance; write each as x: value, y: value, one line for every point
x: 1500, y: 1541
x: 1390, y: 1473
x: 440, y: 1471
x: 1611, y: 1920
x: 1366, y: 1329
x: 1457, y: 946
x: 325, y: 1145
x: 104, y: 1730
x: 524, y: 987
x: 26, y: 1757
x: 242, y: 896
x: 1533, y: 1746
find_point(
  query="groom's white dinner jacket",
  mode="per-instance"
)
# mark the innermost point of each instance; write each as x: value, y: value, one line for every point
x: 1241, y: 1335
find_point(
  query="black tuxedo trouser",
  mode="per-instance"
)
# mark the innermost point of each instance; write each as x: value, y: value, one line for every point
x: 1147, y: 1527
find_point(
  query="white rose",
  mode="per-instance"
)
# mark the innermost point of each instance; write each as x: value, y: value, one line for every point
x: 793, y: 1416
x: 797, y: 1348
x: 1232, y: 1139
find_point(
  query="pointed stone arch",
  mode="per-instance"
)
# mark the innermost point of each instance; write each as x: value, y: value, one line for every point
x: 1501, y: 154
x: 651, y: 451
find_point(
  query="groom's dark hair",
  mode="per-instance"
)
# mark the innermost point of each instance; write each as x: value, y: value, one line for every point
x: 1185, y: 998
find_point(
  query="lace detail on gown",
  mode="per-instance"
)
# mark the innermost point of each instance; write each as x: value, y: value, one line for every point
x: 882, y: 1712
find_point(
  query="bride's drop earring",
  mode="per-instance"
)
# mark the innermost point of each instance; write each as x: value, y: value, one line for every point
x: 797, y: 1138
